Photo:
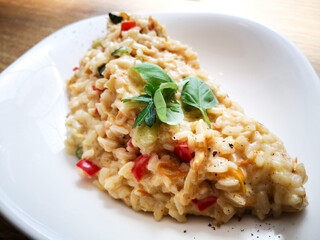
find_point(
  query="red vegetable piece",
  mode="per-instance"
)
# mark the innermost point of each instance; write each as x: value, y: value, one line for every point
x: 182, y: 151
x: 96, y: 89
x: 204, y: 203
x: 75, y: 68
x: 88, y: 167
x: 129, y: 143
x: 140, y: 166
x: 125, y: 26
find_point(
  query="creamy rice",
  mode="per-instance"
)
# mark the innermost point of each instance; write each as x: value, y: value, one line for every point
x: 237, y: 162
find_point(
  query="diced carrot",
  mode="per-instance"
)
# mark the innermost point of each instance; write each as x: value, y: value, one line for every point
x: 143, y: 192
x: 170, y: 170
x: 245, y: 162
x: 238, y: 174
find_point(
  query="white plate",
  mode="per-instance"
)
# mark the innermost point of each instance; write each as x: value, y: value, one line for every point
x: 40, y: 190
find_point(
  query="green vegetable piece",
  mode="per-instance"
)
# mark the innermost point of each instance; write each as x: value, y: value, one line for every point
x: 121, y: 51
x: 135, y: 77
x: 101, y: 70
x: 79, y: 152
x: 96, y: 43
x: 198, y: 94
x: 141, y: 98
x: 115, y: 19
x: 152, y: 74
x: 144, y: 136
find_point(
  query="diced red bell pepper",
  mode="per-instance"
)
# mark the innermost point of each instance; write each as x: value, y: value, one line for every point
x: 88, y: 167
x: 203, y: 204
x: 182, y: 151
x: 129, y: 143
x: 140, y: 166
x: 96, y: 89
x: 75, y: 68
x: 125, y: 26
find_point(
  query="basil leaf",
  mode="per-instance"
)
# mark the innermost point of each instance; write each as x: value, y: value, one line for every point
x: 198, y: 94
x: 101, y: 70
x: 152, y: 74
x: 144, y: 113
x: 161, y: 96
x: 168, y: 90
x: 183, y: 82
x: 161, y: 106
x: 174, y: 113
x: 150, y: 90
x: 151, y: 116
x: 168, y: 109
x: 121, y: 51
x: 160, y: 92
x: 141, y: 98
x: 115, y: 19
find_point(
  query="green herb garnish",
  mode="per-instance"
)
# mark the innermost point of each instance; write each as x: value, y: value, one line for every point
x: 101, y: 70
x: 121, y: 51
x: 147, y: 115
x: 79, y: 152
x: 115, y: 19
x: 152, y: 74
x: 160, y: 92
x: 198, y: 94
x: 160, y: 96
x: 168, y: 108
x: 141, y: 98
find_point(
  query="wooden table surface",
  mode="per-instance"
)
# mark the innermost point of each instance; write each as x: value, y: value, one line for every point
x: 23, y: 23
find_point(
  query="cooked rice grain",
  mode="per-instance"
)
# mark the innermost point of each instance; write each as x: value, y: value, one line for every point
x: 238, y: 160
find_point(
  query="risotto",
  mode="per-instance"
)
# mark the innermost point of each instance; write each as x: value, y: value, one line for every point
x: 152, y: 129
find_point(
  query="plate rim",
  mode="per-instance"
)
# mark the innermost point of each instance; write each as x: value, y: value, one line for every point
x: 24, y: 222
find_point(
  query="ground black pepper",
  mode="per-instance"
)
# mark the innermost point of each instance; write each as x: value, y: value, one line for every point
x: 213, y: 227
x: 214, y: 153
x: 231, y: 145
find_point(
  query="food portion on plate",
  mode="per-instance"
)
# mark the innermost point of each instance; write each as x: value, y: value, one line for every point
x: 154, y: 130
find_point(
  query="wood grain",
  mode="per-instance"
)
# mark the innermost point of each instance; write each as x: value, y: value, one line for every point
x: 23, y: 23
